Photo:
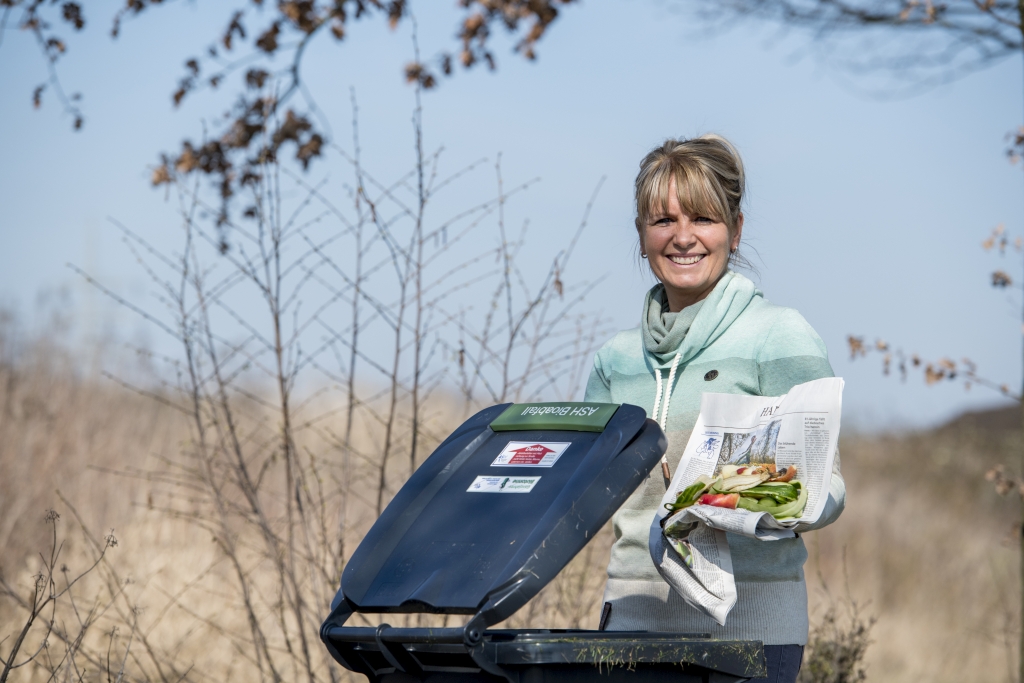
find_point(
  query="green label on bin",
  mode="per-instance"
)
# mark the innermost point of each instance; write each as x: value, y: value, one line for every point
x: 577, y: 417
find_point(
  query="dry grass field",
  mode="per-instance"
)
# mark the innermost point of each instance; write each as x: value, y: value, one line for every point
x: 924, y: 546
x: 176, y: 598
x: 930, y: 551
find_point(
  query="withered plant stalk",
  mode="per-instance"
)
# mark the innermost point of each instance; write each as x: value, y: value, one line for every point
x: 315, y: 353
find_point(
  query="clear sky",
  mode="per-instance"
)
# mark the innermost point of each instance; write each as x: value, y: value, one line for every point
x: 868, y: 215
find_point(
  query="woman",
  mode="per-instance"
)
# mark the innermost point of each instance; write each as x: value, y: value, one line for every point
x: 704, y: 328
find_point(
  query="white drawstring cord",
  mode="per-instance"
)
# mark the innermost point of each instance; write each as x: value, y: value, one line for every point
x: 657, y: 395
x: 663, y: 421
x: 668, y: 392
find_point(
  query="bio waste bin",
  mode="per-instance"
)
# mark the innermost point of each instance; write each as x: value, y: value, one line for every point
x: 495, y: 512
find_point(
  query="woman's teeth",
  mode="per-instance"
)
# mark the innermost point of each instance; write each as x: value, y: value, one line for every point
x: 686, y: 260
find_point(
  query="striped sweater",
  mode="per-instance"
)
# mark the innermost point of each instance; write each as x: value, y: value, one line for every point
x: 756, y: 348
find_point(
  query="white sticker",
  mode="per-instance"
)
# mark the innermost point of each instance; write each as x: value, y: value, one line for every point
x: 530, y: 454
x: 503, y: 484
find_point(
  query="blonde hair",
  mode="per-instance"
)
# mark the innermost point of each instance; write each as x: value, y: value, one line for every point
x: 709, y: 179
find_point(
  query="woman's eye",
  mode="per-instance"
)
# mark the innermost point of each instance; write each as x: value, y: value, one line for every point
x: 664, y: 220
x: 703, y: 219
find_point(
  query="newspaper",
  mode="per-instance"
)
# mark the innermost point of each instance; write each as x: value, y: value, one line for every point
x: 800, y: 428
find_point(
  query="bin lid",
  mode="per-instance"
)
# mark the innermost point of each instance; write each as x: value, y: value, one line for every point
x: 500, y: 507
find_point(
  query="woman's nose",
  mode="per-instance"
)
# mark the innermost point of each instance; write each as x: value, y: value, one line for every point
x: 683, y: 236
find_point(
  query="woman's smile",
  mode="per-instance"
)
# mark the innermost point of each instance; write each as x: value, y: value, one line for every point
x: 685, y: 260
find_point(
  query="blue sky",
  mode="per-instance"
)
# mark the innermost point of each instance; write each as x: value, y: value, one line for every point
x: 867, y: 215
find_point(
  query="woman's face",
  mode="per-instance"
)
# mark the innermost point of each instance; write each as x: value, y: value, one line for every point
x: 689, y: 254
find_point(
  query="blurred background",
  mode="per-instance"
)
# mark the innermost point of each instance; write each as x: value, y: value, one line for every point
x: 867, y: 204
x: 878, y: 165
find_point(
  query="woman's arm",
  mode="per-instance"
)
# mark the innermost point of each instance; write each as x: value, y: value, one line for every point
x: 598, y: 388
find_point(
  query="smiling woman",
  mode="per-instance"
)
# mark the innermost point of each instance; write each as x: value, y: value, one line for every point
x: 688, y: 215
x: 705, y: 328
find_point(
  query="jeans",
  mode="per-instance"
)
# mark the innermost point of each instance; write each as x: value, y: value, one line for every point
x: 783, y: 663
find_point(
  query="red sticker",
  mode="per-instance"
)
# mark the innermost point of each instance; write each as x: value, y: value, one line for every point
x: 530, y: 454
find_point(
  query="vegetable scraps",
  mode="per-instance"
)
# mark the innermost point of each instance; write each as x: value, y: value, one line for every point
x: 757, y: 489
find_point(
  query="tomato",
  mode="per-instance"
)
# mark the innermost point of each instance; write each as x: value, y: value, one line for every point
x: 720, y: 500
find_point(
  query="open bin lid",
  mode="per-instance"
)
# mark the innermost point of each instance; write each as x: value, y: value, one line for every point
x: 498, y: 509
x: 495, y: 512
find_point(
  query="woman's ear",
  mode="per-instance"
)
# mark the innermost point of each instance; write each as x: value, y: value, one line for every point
x: 735, y: 242
x: 640, y: 235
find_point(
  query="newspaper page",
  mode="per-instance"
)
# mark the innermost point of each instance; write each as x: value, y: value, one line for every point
x: 799, y: 429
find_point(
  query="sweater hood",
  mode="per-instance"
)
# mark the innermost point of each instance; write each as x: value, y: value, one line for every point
x: 689, y: 331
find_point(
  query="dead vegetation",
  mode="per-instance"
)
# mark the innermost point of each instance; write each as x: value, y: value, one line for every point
x: 315, y: 364
x: 931, y: 551
x: 929, y: 546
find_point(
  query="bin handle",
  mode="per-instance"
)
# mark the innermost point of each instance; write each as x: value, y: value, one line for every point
x: 473, y: 637
x: 396, y: 654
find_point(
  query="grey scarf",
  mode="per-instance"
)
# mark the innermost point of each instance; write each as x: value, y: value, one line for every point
x: 687, y: 332
x: 663, y: 330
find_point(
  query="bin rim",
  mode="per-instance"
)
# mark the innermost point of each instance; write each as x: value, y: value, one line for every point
x: 503, y: 652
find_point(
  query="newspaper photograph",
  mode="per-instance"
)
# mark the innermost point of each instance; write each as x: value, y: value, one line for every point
x: 758, y: 466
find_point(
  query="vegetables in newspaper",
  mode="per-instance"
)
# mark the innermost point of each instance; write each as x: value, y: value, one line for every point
x: 757, y: 489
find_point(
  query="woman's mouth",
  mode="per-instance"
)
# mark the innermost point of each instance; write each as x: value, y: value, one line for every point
x: 686, y: 260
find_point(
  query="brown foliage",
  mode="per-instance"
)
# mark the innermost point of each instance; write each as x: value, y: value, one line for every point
x: 38, y: 17
x: 946, y: 368
x: 261, y: 123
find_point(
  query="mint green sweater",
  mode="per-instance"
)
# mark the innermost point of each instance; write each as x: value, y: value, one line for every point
x: 756, y: 348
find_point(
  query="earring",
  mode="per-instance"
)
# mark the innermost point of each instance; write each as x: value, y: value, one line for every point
x: 643, y: 255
